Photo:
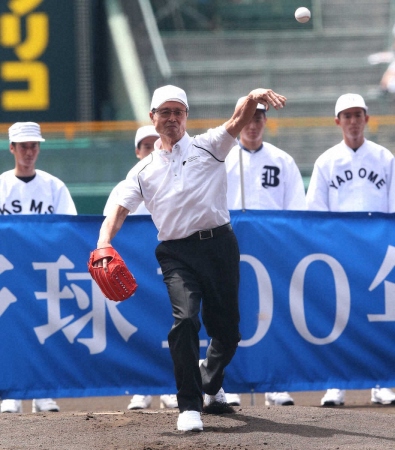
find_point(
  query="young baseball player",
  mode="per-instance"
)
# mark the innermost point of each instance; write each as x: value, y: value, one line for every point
x: 27, y: 190
x: 261, y: 176
x: 144, y: 145
x: 354, y: 175
x: 183, y: 185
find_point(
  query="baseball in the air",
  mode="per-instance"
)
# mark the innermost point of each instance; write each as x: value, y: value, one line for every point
x: 302, y: 14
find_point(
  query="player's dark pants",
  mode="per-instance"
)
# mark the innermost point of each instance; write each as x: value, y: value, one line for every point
x: 206, y: 271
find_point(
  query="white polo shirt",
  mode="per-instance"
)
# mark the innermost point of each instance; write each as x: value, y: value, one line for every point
x: 344, y: 180
x: 185, y: 189
x: 271, y: 179
x: 112, y: 201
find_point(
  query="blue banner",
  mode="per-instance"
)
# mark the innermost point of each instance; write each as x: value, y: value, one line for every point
x: 317, y: 303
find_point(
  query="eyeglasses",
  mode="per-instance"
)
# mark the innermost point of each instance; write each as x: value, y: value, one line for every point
x: 166, y: 113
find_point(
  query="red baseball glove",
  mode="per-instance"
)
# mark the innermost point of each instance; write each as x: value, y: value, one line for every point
x: 117, y: 283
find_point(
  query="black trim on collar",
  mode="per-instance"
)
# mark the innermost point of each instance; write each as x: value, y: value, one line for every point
x: 26, y: 179
x: 247, y: 150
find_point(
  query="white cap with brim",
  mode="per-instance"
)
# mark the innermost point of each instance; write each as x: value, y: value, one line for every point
x: 347, y: 101
x: 259, y: 105
x: 25, y: 132
x: 168, y: 93
x: 143, y: 132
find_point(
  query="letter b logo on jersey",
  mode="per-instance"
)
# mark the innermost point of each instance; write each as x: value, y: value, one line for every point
x: 270, y: 176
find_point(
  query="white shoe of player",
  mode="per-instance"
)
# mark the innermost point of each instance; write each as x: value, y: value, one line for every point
x: 140, y: 402
x: 333, y: 397
x: 384, y: 396
x: 44, y: 405
x: 11, y: 406
x: 168, y: 401
x: 233, y: 399
x: 189, y: 421
x: 278, y: 399
x: 219, y: 397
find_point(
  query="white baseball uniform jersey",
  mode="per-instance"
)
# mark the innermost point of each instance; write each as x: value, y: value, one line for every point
x: 347, y: 180
x: 44, y: 194
x: 271, y: 179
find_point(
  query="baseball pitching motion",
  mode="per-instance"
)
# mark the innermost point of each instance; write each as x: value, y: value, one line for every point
x: 116, y: 281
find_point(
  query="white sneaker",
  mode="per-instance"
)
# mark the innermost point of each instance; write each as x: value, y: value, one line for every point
x: 168, y: 401
x: 189, y: 421
x: 217, y: 404
x: 278, y: 399
x: 219, y: 397
x: 383, y: 396
x: 333, y: 397
x: 140, y: 402
x: 44, y: 405
x: 11, y: 406
x: 233, y: 399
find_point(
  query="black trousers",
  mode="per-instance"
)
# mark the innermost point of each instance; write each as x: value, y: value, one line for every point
x: 201, y: 273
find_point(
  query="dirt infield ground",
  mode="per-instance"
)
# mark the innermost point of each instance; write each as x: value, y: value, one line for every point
x: 104, y: 423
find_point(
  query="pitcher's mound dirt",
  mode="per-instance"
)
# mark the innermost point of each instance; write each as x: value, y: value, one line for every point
x: 357, y: 427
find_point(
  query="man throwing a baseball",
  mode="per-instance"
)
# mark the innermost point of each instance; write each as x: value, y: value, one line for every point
x: 183, y: 185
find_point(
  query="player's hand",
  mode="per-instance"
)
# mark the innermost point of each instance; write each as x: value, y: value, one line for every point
x: 111, y: 274
x: 104, y: 261
x: 268, y: 97
x: 101, y: 263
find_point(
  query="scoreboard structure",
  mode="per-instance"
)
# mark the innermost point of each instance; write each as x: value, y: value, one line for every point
x: 46, y: 60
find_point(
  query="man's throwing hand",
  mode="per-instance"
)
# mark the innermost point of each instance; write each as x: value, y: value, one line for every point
x: 268, y: 97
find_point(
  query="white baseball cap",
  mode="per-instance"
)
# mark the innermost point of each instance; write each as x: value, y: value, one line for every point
x: 349, y: 101
x: 259, y: 105
x: 25, y: 132
x: 168, y: 93
x: 143, y: 132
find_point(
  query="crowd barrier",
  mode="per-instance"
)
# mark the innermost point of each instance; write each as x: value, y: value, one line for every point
x: 317, y: 302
